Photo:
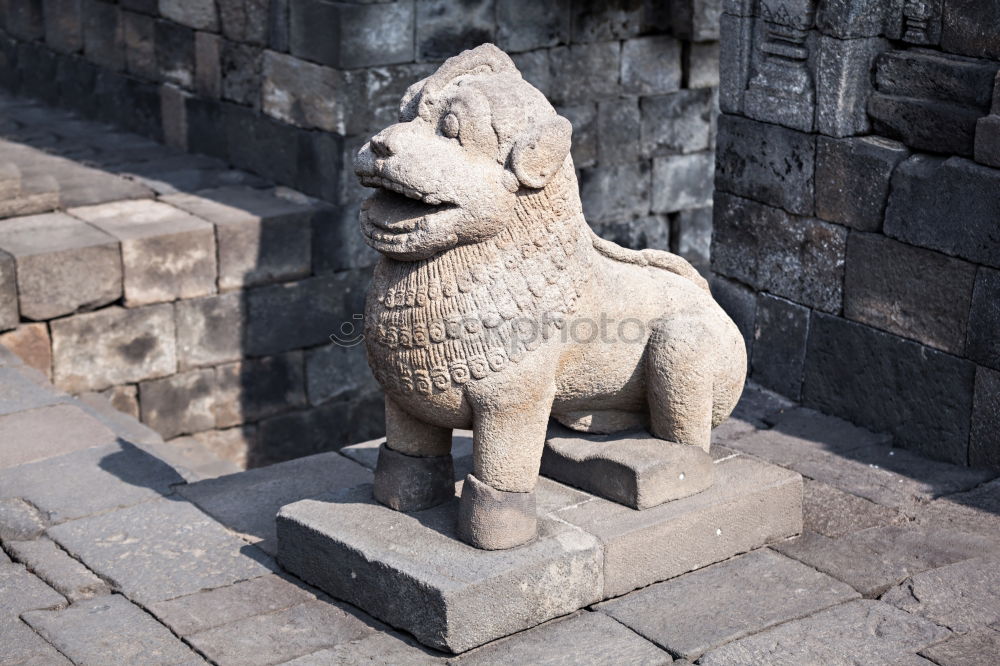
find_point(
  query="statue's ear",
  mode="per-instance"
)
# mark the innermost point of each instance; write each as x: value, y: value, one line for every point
x: 540, y: 150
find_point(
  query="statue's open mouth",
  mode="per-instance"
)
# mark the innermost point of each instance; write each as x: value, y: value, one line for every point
x: 396, y: 210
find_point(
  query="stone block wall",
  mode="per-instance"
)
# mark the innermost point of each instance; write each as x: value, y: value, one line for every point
x: 857, y: 211
x: 290, y: 89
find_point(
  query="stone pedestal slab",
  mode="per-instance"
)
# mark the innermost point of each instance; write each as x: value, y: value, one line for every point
x: 411, y: 571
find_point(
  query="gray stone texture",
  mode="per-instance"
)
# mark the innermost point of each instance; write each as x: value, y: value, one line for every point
x: 703, y: 65
x: 740, y: 303
x: 615, y: 191
x: 984, y: 432
x: 337, y: 371
x: 961, y: 596
x: 382, y: 648
x: 961, y: 29
x: 678, y: 122
x: 20, y: 391
x: 593, y: 637
x: 750, y: 503
x: 124, y: 346
x: 926, y: 74
x: 843, y: 84
x: 209, y: 330
x: 302, y: 93
x: 208, y: 609
x: 801, y: 259
x: 634, y: 469
x: 444, y: 28
x: 682, y: 182
x: 276, y: 637
x: 782, y: 328
x: 583, y: 72
x: 987, y: 146
x: 172, y: 550
x: 55, y: 567
x: 22, y: 645
x: 110, y: 630
x: 618, y: 130
x: 244, y: 20
x: 947, y: 205
x: 852, y: 179
x: 707, y: 608
x: 873, y: 560
x: 103, y: 42
x: 257, y: 388
x: 63, y: 264
x: 63, y: 25
x: 434, y: 578
x: 651, y: 65
x: 179, y: 404
x: 522, y: 27
x: 200, y: 14
x: 868, y: 631
x: 40, y: 433
x: 347, y: 36
x: 734, y: 61
x: 696, y: 20
x: 175, y: 53
x: 912, y: 292
x: 927, y: 125
x: 770, y: 164
x: 693, y: 235
x: 24, y: 592
x: 167, y: 254
x: 93, y: 480
x: 967, y: 650
x: 19, y: 521
x: 848, y: 19
x: 207, y: 63
x: 248, y: 502
x: 831, y: 512
x: 922, y: 396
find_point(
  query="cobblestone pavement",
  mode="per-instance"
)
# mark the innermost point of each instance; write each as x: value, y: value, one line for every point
x: 117, y: 552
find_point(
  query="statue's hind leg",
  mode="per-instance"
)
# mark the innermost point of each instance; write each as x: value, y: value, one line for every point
x: 681, y: 369
x: 414, y: 469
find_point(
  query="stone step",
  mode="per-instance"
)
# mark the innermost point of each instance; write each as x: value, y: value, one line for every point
x: 10, y: 181
x: 37, y: 193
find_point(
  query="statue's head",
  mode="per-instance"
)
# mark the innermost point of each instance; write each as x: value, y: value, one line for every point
x: 471, y: 138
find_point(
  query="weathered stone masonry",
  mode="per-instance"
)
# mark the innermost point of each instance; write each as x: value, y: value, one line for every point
x: 857, y: 213
x: 290, y: 89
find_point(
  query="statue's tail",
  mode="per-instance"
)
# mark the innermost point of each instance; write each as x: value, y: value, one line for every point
x: 655, y: 258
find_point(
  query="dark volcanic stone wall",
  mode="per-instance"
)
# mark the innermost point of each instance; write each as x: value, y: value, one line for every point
x: 290, y: 89
x: 857, y: 212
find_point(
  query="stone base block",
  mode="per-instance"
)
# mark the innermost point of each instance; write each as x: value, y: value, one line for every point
x: 634, y: 469
x: 411, y: 570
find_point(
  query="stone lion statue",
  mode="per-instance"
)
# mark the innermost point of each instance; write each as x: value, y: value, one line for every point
x: 486, y: 307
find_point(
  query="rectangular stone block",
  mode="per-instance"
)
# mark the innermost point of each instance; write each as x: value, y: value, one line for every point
x: 651, y: 65
x: 983, y: 345
x: 780, y: 345
x: 705, y: 609
x: 987, y: 141
x: 447, y: 594
x: 678, y: 122
x: 801, y: 259
x: 63, y: 264
x: 951, y: 206
x: 524, y: 27
x: 109, y: 629
x: 914, y: 23
x: 140, y: 49
x: 853, y: 371
x: 24, y: 19
x: 617, y: 131
x: 984, y: 446
x: 337, y: 370
x: 63, y: 25
x: 908, y: 291
x: 55, y: 567
x: 696, y: 20
x: 210, y: 330
x: 200, y: 14
x: 767, y: 163
x: 843, y: 84
x: 703, y: 65
x: 925, y: 74
x: 615, y: 192
x: 750, y: 503
x: 9, y: 316
x: 443, y: 28
x: 258, y: 388
x: 734, y: 61
x: 852, y: 179
x: 179, y: 404
x: 37, y: 430
x: 781, y: 87
x: 595, y: 21
x: 244, y: 21
x: 849, y: 19
x: 103, y: 36
x: 25, y: 592
x: 583, y: 72
x: 927, y: 125
x: 175, y: 50
x: 962, y: 28
x: 319, y: 429
x: 682, y: 182
x: 240, y: 65
x: 347, y: 36
x: 301, y: 93
x: 261, y: 237
x: 124, y: 346
x: 693, y: 235
x: 740, y: 303
x: 207, y: 64
x: 166, y: 253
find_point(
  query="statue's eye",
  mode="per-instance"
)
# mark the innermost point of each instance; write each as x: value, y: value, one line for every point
x: 449, y: 126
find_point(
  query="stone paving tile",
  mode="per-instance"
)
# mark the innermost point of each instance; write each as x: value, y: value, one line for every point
x: 977, y: 510
x: 3, y: 558
x: 832, y: 512
x: 247, y: 502
x: 960, y: 596
x: 379, y: 649
x: 110, y: 630
x: 858, y: 632
x: 17, y: 393
x: 280, y: 636
x: 90, y: 481
x: 366, y: 453
x: 973, y: 649
x: 759, y: 406
x: 875, y: 559
x: 19, y: 520
x: 67, y: 576
x: 19, y: 644
x: 38, y: 434
x: 696, y: 612
x: 160, y: 550
x: 21, y: 591
x: 212, y: 608
x: 591, y: 638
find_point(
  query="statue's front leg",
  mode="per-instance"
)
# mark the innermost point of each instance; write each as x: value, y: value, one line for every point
x: 498, y: 500
x: 414, y: 469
